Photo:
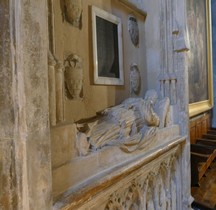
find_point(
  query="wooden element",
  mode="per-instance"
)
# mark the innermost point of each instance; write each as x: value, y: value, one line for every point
x: 207, y: 142
x: 209, y: 136
x: 203, y: 154
x: 211, y: 132
x: 203, y: 146
x: 199, y: 165
x: 196, y: 148
x: 205, y: 194
x: 199, y: 126
x: 203, y: 161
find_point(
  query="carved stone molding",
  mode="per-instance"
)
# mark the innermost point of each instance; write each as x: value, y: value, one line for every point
x: 56, y: 100
x: 59, y: 91
x: 174, y: 39
x: 135, y: 5
x: 168, y: 86
x: 52, y: 88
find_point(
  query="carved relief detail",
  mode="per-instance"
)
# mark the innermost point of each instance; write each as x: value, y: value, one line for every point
x: 168, y: 83
x: 155, y: 190
x: 130, y: 198
x: 73, y: 12
x: 73, y: 76
x: 133, y: 30
x: 135, y: 79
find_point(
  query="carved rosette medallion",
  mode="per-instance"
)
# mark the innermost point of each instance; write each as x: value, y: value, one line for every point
x: 73, y: 12
x: 73, y: 76
x: 133, y: 30
x: 135, y: 79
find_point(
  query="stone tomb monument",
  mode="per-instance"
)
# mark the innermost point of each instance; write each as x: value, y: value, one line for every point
x: 135, y: 136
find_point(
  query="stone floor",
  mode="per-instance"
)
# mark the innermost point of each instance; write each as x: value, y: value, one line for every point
x: 205, y: 195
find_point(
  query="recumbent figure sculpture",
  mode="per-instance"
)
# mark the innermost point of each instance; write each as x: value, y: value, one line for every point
x: 132, y: 125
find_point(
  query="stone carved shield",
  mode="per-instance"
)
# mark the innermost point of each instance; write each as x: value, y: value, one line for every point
x: 73, y: 76
x: 135, y: 79
x: 133, y: 30
x: 73, y: 12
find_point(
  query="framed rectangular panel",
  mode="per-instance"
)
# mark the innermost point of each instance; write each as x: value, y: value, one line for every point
x: 200, y: 56
x: 107, y: 48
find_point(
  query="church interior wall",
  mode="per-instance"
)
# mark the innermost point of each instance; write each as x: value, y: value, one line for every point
x: 39, y: 120
x: 69, y: 39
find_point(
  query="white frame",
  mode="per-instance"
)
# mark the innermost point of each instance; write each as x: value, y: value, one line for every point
x: 96, y: 12
x: 203, y: 106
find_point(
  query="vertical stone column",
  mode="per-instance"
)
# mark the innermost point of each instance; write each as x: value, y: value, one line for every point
x: 167, y: 76
x: 174, y: 79
x: 59, y: 93
x: 33, y: 156
x: 181, y: 46
x: 52, y: 89
x: 8, y: 179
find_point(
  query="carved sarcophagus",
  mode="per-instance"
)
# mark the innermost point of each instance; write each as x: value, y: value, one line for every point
x: 151, y: 181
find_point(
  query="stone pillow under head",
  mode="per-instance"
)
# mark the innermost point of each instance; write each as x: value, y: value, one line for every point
x: 162, y: 108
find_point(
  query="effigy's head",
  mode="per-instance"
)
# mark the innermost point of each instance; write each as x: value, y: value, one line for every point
x: 151, y: 95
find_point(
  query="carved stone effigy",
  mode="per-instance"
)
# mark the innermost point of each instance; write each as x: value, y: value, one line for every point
x: 73, y: 76
x: 127, y: 157
x: 135, y: 79
x: 131, y: 125
x: 73, y: 12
